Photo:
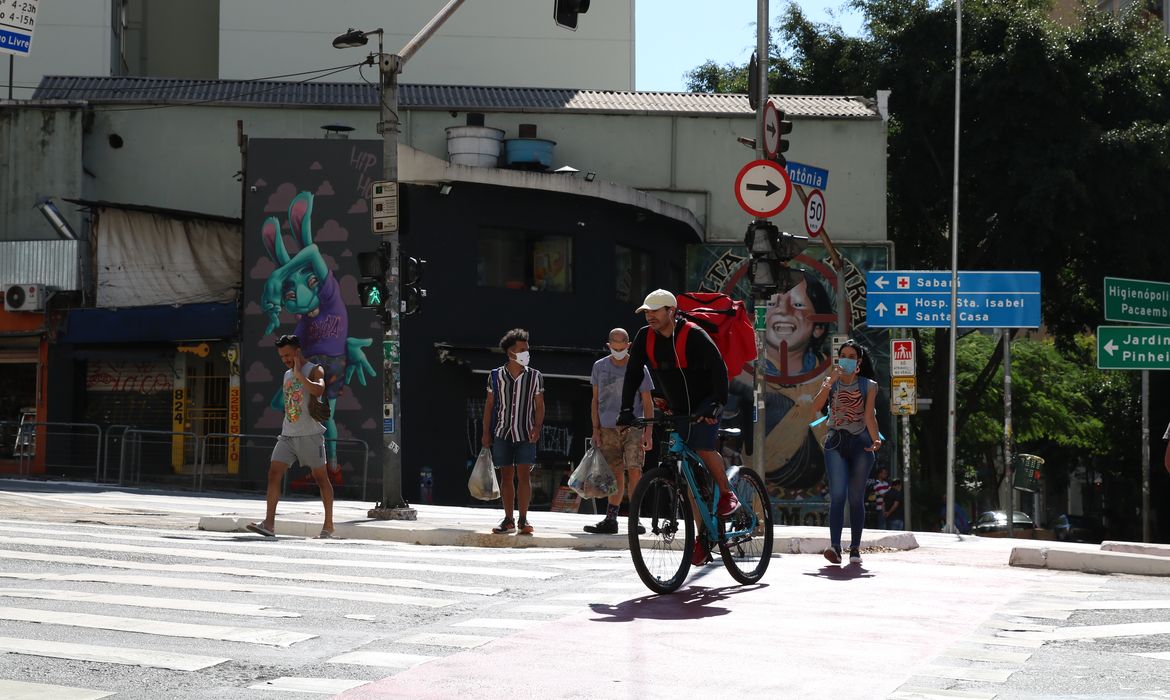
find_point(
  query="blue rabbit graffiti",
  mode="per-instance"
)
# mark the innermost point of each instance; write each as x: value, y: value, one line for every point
x: 304, y: 286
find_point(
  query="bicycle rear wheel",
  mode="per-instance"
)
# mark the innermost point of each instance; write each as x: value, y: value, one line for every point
x: 746, y: 555
x: 662, y: 556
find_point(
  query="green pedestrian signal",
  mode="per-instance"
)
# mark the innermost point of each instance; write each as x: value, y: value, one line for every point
x: 372, y: 294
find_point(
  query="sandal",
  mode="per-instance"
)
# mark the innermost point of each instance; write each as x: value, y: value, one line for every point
x: 260, y: 530
x: 326, y: 535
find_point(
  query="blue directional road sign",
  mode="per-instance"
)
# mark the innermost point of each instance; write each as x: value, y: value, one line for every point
x: 922, y: 299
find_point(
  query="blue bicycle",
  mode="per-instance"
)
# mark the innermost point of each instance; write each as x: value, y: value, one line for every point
x: 664, y: 498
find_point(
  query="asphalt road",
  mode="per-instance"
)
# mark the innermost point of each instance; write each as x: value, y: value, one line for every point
x: 112, y: 603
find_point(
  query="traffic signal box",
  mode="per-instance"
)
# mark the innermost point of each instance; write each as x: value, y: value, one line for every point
x: 373, y: 266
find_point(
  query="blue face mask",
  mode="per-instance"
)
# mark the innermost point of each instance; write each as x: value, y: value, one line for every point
x: 848, y: 364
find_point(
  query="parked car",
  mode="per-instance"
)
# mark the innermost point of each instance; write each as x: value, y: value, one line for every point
x: 996, y: 521
x: 1078, y: 528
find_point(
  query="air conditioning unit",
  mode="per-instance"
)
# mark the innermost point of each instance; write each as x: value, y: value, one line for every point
x: 24, y: 297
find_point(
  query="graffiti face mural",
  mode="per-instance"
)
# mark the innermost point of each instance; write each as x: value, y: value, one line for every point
x: 303, y: 285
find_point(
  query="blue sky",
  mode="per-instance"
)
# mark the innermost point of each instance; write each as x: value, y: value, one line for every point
x: 674, y: 36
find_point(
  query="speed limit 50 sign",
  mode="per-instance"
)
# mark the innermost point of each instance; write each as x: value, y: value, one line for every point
x: 814, y: 213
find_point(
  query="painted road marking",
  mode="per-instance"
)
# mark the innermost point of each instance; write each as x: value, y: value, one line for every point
x: 965, y: 673
x: 1008, y: 626
x: 548, y: 609
x: 499, y: 623
x: 321, y: 686
x: 1007, y: 642
x: 16, y: 690
x: 461, y: 641
x: 126, y: 656
x: 381, y: 658
x: 336, y: 593
x: 360, y: 617
x: 1163, y: 655
x: 991, y: 655
x: 229, y: 571
x: 208, y: 606
x: 166, y: 628
x: 908, y: 692
x: 272, y: 559
x: 1039, y: 614
x: 1129, y: 629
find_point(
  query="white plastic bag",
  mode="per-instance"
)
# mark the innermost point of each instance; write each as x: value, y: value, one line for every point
x: 593, y: 478
x: 483, y: 484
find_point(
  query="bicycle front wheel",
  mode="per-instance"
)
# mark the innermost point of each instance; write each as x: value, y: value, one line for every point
x: 662, y: 555
x: 745, y: 539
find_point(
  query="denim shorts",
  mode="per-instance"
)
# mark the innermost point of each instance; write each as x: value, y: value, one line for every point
x: 700, y: 437
x: 510, y: 453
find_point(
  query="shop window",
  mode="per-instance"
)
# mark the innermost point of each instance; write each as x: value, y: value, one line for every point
x: 525, y: 260
x: 633, y: 273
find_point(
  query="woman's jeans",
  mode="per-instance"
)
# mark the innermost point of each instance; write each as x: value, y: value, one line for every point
x: 848, y: 466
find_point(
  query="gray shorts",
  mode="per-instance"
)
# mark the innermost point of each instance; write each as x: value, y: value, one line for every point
x: 309, y: 450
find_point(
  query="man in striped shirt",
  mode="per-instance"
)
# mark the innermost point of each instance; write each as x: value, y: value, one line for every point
x: 512, y: 419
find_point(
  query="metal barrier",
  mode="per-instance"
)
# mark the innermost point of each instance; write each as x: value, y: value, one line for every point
x: 132, y: 437
x: 201, y: 463
x: 106, y: 447
x: 26, y: 435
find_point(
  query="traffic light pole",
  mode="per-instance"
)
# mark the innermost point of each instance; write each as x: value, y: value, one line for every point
x: 760, y: 431
x: 393, y: 506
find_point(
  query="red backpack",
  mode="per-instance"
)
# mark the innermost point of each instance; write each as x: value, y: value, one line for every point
x: 723, y: 318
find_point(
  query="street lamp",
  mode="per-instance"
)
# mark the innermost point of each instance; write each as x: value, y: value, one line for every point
x: 354, y: 38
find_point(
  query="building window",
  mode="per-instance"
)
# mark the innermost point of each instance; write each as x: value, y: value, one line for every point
x: 525, y: 260
x: 633, y: 273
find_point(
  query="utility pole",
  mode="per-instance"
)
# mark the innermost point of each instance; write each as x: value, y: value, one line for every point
x: 760, y: 424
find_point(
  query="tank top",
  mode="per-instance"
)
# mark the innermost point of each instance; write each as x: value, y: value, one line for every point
x: 297, y: 420
x: 847, y: 405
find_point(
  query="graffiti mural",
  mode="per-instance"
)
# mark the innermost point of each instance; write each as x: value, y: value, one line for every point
x: 306, y: 222
x: 800, y: 325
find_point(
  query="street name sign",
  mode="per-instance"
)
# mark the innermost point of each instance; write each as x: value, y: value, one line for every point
x: 1133, y: 347
x: 807, y: 175
x: 17, y: 19
x: 763, y: 188
x: 1137, y: 301
x: 922, y: 299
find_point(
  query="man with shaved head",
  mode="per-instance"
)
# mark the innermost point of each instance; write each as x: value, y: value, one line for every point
x: 624, y: 450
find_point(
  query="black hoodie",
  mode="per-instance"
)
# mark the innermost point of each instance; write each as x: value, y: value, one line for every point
x: 703, y: 380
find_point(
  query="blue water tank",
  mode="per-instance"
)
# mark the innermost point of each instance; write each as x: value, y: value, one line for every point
x: 528, y: 152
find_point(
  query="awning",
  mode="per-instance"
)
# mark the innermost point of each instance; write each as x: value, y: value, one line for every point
x: 147, y: 324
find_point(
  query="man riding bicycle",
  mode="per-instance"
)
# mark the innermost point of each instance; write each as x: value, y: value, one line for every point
x: 689, y: 371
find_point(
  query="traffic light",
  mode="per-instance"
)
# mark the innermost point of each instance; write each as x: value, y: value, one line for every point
x: 565, y: 12
x: 771, y: 250
x: 785, y: 129
x: 372, y: 289
x: 412, y: 290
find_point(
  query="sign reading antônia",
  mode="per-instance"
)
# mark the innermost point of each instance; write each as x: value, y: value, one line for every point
x: 1137, y: 301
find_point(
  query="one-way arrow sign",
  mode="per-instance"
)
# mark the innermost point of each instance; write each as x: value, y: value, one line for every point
x: 762, y: 188
x: 1110, y: 347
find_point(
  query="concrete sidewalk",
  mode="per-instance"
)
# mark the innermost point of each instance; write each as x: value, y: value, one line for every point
x: 471, y: 527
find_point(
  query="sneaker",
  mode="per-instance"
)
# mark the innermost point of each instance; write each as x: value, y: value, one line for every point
x: 833, y: 554
x: 728, y: 503
x: 506, y: 527
x: 608, y: 526
x: 854, y: 555
x: 699, y: 555
x: 525, y: 527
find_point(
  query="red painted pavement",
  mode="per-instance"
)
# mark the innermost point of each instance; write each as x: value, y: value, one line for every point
x: 809, y: 630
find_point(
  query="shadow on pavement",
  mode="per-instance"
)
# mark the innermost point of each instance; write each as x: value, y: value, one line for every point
x: 841, y: 573
x: 690, y: 603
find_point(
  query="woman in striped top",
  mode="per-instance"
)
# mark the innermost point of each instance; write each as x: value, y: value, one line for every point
x: 851, y: 444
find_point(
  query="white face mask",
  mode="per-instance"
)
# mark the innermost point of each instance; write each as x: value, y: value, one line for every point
x: 619, y: 354
x: 522, y: 358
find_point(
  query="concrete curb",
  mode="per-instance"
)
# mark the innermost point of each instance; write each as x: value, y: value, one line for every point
x: 1090, y: 562
x: 419, y: 533
x: 1155, y: 550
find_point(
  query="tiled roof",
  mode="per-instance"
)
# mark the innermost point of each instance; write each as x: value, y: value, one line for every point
x: 151, y: 91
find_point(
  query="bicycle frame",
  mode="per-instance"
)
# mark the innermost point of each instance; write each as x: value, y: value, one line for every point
x: 684, y: 457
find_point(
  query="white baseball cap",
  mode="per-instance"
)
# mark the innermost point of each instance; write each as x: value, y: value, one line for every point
x: 656, y: 300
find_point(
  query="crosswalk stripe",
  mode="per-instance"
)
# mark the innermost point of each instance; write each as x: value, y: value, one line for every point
x: 229, y: 571
x: 908, y: 692
x: 1163, y: 655
x: 321, y: 686
x: 381, y: 658
x: 18, y: 690
x: 1009, y: 626
x: 499, y: 623
x: 436, y: 639
x: 1040, y: 614
x: 273, y: 559
x: 137, y: 601
x: 151, y: 658
x: 991, y: 655
x: 547, y: 609
x: 1007, y: 642
x: 1129, y: 629
x: 965, y: 673
x: 166, y: 628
